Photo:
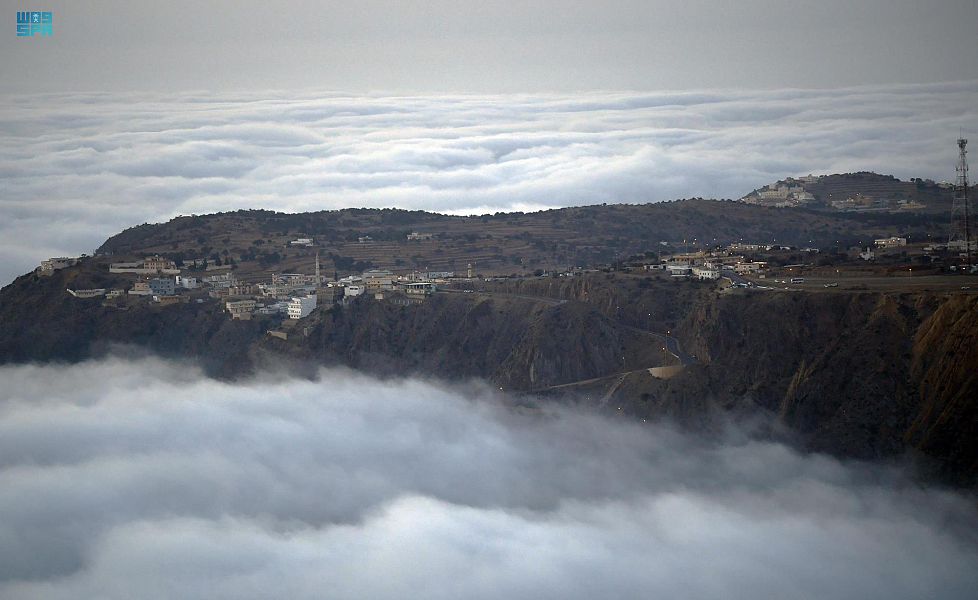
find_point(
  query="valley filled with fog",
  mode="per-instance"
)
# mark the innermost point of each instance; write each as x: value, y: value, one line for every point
x: 140, y: 478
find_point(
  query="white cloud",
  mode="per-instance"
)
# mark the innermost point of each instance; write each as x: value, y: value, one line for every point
x: 75, y: 169
x: 122, y: 479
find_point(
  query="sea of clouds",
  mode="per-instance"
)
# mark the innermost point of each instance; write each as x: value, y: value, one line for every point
x: 77, y: 168
x: 126, y: 479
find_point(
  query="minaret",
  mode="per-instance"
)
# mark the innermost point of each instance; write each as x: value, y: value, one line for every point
x: 319, y: 279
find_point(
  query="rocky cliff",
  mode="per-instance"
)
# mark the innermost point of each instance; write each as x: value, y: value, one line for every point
x: 860, y: 374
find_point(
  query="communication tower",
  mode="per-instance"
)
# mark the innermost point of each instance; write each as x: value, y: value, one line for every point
x: 961, y: 208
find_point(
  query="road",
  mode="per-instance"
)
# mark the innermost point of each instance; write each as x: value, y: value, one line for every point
x: 671, y: 344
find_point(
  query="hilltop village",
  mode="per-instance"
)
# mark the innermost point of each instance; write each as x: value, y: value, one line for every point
x: 161, y: 281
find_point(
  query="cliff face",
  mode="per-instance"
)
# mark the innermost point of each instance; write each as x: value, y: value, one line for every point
x: 520, y: 344
x: 944, y: 370
x: 863, y: 375
x: 867, y: 375
x: 40, y: 321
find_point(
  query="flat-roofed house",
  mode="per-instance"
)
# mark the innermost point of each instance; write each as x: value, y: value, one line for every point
x: 378, y: 280
x: 240, y: 309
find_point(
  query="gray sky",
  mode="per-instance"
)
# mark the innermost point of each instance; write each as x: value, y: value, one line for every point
x: 490, y: 46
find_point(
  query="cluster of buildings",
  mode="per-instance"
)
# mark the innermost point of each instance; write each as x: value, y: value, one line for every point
x: 296, y: 295
x: 788, y: 194
x: 709, y: 266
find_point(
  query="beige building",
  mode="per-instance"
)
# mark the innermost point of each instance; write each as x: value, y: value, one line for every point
x: 158, y: 263
x: 750, y: 267
x: 378, y: 280
x: 140, y: 288
x: 51, y: 265
x: 240, y: 309
x: 706, y: 273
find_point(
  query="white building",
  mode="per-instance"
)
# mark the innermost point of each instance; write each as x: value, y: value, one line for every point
x: 352, y: 291
x: 350, y: 280
x: 301, y: 306
x: 302, y: 242
x: 415, y: 236
x: 187, y: 283
x: 679, y: 270
x: 93, y: 293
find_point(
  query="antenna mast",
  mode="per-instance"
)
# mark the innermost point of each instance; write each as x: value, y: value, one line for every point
x: 961, y: 208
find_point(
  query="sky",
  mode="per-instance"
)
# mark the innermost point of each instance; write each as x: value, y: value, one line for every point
x: 490, y: 46
x: 138, y: 478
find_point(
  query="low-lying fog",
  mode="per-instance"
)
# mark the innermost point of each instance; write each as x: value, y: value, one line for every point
x: 142, y: 479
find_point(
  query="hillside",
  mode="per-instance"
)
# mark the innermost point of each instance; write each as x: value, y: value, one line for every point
x: 858, y: 192
x: 258, y: 241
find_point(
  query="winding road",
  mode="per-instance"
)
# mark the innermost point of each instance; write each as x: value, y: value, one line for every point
x: 672, y: 345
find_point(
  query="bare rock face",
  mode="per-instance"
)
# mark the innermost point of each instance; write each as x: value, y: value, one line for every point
x: 944, y: 370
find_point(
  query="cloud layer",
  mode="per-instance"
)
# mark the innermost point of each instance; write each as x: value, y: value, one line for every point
x: 75, y: 169
x: 124, y: 479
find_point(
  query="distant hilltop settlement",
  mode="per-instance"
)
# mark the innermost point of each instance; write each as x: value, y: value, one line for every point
x: 294, y: 295
x: 160, y: 281
x: 854, y: 192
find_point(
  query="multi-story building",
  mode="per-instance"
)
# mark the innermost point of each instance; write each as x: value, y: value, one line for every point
x: 378, y: 280
x: 158, y: 263
x: 301, y: 306
x: 162, y: 286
